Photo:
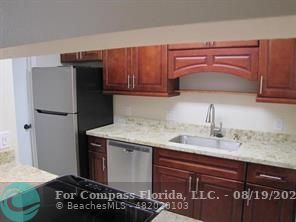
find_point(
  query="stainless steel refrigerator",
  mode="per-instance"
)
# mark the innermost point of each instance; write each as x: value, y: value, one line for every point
x: 67, y: 101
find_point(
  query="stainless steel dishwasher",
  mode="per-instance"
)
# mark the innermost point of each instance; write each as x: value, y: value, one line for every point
x: 129, y: 166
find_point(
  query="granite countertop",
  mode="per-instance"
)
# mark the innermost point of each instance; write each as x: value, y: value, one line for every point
x: 257, y: 147
x: 13, y: 172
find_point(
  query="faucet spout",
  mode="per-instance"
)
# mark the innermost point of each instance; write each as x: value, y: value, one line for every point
x: 211, y: 119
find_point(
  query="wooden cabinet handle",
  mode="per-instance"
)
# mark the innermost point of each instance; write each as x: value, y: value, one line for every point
x: 128, y: 81
x: 261, y: 85
x: 270, y: 177
x: 133, y: 81
x: 96, y: 145
x: 197, y: 185
x: 103, y: 163
x: 190, y: 184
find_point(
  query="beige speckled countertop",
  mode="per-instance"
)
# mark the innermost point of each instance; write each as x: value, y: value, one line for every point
x: 13, y: 172
x: 257, y: 147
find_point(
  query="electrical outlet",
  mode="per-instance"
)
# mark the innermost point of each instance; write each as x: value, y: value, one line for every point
x: 279, y: 125
x: 4, y: 140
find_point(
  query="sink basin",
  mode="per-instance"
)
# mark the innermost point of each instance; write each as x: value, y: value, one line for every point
x: 207, y: 142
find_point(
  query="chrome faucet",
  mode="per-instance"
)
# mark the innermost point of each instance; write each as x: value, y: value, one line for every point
x: 211, y: 119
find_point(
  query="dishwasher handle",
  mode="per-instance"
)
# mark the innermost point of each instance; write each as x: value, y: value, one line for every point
x: 129, y: 147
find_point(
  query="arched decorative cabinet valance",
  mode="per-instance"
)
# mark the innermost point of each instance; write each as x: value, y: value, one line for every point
x: 242, y: 62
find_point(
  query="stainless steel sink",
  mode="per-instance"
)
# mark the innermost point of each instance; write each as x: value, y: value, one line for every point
x: 207, y: 142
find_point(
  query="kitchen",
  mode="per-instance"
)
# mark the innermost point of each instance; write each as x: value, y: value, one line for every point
x: 206, y: 127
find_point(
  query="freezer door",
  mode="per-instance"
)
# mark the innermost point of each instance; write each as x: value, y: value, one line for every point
x: 57, y: 142
x: 54, y: 89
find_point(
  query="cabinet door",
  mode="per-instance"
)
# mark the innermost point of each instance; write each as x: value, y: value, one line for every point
x: 242, y: 62
x: 149, y: 71
x: 70, y: 57
x: 94, y: 55
x: 168, y: 180
x: 98, y: 167
x: 278, y: 68
x: 224, y: 207
x: 265, y: 210
x: 117, y: 69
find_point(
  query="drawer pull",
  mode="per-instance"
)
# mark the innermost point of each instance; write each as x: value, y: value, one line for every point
x: 270, y: 177
x: 96, y: 145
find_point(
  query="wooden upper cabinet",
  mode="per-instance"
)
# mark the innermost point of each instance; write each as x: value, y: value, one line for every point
x: 238, y: 58
x: 277, y: 71
x: 86, y: 56
x: 150, y: 68
x: 69, y: 57
x: 117, y: 69
x: 137, y: 71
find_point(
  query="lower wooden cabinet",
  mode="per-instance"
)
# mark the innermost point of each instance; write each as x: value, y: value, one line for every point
x: 97, y: 155
x: 168, y: 180
x: 98, y: 167
x: 217, y: 202
x: 263, y: 209
x: 207, y: 198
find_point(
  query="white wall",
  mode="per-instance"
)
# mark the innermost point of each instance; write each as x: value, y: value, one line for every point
x: 7, y: 108
x: 46, y: 61
x: 234, y: 110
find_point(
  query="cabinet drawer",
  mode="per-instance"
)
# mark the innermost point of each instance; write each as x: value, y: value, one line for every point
x: 97, y: 144
x: 272, y: 176
x: 213, y: 166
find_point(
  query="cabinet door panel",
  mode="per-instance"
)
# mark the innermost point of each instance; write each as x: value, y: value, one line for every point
x: 117, y: 69
x: 224, y: 208
x: 278, y: 68
x: 168, y: 180
x: 242, y: 62
x: 149, y: 68
x: 98, y: 167
x: 265, y: 210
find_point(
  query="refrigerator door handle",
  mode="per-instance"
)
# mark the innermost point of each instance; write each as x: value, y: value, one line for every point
x: 51, y: 112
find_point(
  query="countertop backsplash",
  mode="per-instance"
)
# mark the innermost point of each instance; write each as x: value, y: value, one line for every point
x: 243, y: 135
